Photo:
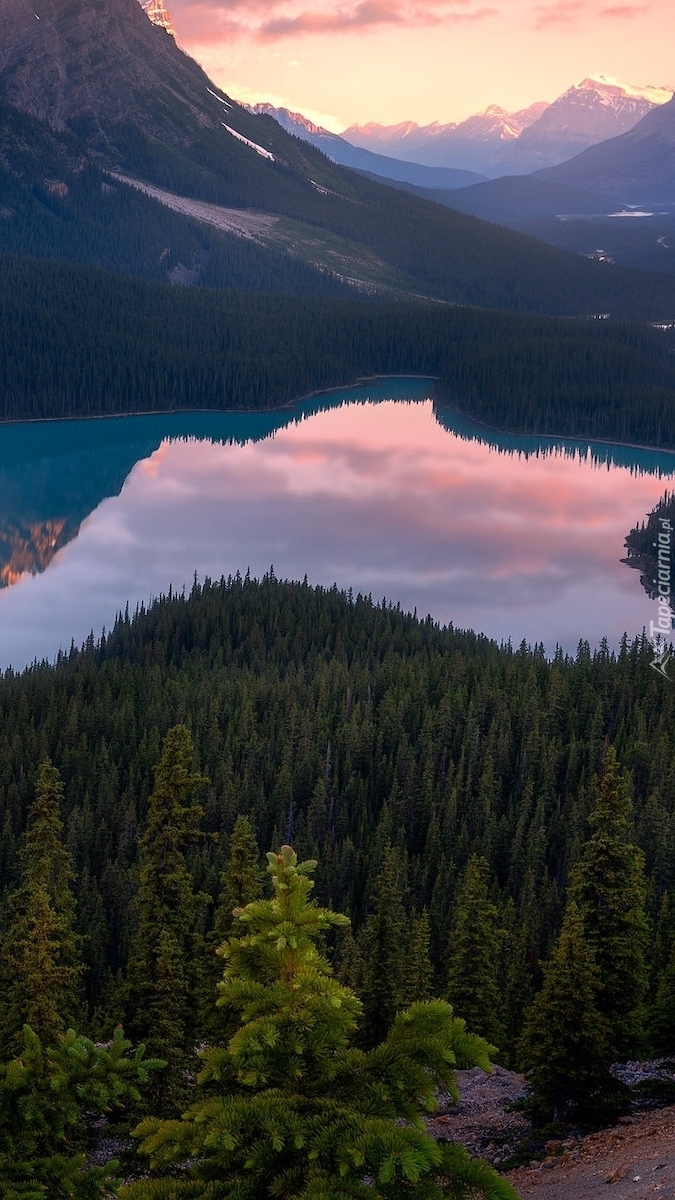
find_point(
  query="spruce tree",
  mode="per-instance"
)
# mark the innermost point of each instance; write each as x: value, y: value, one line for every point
x: 290, y: 1108
x: 241, y: 883
x: 473, y: 953
x: 40, y: 965
x: 609, y: 888
x: 385, y: 937
x: 566, y: 1039
x: 418, y: 974
x: 662, y: 1011
x: 160, y: 969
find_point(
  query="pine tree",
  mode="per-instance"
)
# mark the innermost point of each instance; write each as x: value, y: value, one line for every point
x: 566, y: 1039
x: 473, y: 953
x: 39, y: 950
x: 240, y: 884
x: 240, y: 881
x: 418, y: 975
x: 160, y: 968
x: 609, y: 888
x: 385, y: 938
x: 290, y: 1108
x: 662, y: 1012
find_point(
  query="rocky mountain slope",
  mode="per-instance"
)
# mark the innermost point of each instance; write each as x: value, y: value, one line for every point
x: 159, y: 14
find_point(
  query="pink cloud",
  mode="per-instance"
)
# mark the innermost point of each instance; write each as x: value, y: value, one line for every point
x: 566, y: 13
x: 371, y: 13
x: 563, y: 13
x: 625, y: 11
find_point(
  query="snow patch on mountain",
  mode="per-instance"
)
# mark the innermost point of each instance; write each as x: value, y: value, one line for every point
x: 247, y: 142
x: 655, y: 94
x: 220, y: 98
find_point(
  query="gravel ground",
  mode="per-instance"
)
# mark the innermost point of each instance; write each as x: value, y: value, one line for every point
x: 632, y: 1161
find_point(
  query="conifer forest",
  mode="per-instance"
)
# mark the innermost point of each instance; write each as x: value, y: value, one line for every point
x: 279, y: 859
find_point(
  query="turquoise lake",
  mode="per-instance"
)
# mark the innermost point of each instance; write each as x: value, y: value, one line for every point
x: 377, y: 488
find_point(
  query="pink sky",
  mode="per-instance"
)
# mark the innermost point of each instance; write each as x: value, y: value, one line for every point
x: 424, y: 60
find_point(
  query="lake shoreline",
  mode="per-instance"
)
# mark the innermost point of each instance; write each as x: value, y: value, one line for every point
x: 359, y: 382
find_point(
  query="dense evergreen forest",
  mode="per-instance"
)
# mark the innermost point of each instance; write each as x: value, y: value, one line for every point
x: 344, y: 727
x: 80, y: 342
x: 499, y: 828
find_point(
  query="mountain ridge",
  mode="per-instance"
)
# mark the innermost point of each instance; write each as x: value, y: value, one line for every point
x: 496, y: 142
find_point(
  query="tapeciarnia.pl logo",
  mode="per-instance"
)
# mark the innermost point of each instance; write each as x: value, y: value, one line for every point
x: 663, y: 628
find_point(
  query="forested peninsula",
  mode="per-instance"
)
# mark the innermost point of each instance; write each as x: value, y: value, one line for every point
x: 75, y: 341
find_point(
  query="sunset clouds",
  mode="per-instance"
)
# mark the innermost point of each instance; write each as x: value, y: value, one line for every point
x: 350, y: 61
x: 269, y: 20
x: 576, y: 13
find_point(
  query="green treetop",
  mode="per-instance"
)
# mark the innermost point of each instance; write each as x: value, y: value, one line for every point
x: 289, y: 1108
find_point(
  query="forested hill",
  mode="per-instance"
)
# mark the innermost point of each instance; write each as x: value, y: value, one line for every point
x: 79, y: 342
x: 344, y: 726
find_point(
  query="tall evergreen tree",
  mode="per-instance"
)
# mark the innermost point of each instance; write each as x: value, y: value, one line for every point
x: 473, y: 953
x: 418, y: 975
x: 291, y: 1109
x: 608, y: 885
x: 385, y: 937
x: 241, y: 881
x: 40, y: 965
x: 566, y: 1040
x: 160, y: 968
x: 241, y: 884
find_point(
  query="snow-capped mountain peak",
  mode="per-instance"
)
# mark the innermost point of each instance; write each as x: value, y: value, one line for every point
x: 610, y: 86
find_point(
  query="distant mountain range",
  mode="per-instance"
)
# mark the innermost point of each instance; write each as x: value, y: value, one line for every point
x: 341, y: 151
x: 496, y: 142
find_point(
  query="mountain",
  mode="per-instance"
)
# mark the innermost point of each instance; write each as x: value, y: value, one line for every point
x: 158, y: 14
x: 587, y: 113
x: 341, y: 151
x: 475, y: 144
x: 638, y: 167
x: 496, y: 142
x: 115, y: 99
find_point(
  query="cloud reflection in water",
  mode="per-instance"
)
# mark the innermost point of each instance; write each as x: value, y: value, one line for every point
x: 379, y: 498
